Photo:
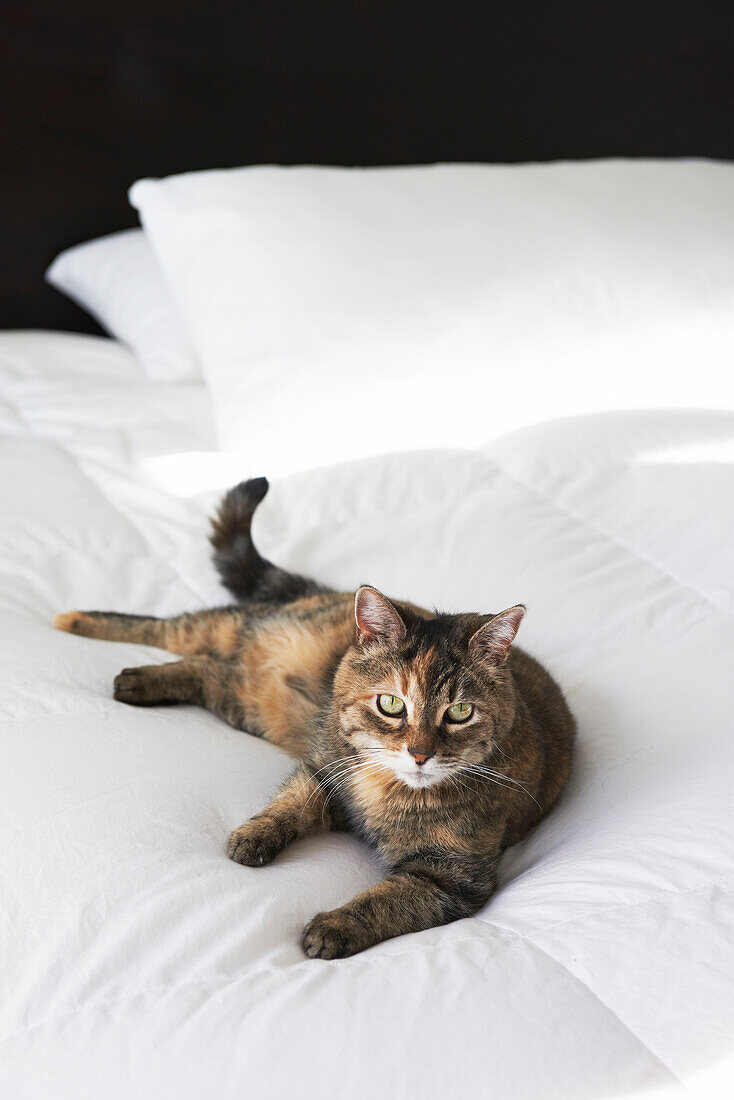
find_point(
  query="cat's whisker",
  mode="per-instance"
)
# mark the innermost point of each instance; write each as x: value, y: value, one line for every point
x: 335, y: 777
x: 333, y: 763
x: 341, y: 785
x: 497, y: 778
x: 476, y: 766
x: 331, y: 768
x: 461, y: 785
x: 501, y: 751
x: 337, y: 780
x: 499, y: 775
x: 370, y: 766
x: 339, y: 777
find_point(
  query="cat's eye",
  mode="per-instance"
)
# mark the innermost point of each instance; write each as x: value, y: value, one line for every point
x: 391, y: 705
x: 459, y: 712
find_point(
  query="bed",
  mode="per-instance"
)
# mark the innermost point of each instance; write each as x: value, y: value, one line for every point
x: 138, y: 961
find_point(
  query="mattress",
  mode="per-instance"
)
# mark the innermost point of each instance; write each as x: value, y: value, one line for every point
x: 138, y: 961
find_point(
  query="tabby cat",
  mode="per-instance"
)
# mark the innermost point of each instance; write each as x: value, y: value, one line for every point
x: 425, y: 734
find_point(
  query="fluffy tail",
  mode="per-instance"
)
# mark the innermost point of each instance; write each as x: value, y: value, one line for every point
x: 243, y: 571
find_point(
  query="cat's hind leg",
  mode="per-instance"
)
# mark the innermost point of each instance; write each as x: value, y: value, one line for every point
x: 112, y: 626
x: 217, y: 632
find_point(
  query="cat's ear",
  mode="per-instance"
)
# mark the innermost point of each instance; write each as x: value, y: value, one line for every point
x: 377, y: 620
x: 493, y: 640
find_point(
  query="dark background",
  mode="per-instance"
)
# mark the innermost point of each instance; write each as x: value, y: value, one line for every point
x: 95, y: 94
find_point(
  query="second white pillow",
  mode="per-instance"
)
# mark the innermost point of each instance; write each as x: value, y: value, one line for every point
x: 117, y: 279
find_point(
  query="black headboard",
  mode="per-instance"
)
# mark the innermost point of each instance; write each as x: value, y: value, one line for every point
x: 95, y: 94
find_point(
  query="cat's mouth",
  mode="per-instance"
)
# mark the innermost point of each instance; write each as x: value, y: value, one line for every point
x: 419, y: 779
x: 418, y: 776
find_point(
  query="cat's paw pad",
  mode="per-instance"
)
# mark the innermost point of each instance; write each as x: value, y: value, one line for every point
x: 132, y: 685
x: 252, y: 846
x: 333, y: 936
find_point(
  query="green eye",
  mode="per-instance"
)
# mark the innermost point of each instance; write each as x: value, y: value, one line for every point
x: 459, y: 712
x: 390, y: 705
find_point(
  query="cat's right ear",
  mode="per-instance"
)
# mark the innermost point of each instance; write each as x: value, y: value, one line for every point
x: 378, y: 622
x: 493, y: 640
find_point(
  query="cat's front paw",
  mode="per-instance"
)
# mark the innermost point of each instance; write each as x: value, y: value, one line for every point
x: 252, y: 845
x: 334, y: 936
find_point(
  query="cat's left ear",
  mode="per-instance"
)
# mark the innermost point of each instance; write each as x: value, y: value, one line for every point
x: 377, y: 619
x: 493, y: 640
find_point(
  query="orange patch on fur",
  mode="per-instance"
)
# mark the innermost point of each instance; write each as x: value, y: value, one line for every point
x: 280, y: 655
x: 225, y: 636
x: 376, y: 792
x: 218, y: 634
x: 74, y: 622
x: 421, y: 666
x: 441, y: 836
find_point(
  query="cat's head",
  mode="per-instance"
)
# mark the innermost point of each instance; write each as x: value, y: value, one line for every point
x: 425, y: 699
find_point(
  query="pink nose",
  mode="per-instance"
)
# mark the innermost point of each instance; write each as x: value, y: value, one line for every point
x: 420, y: 757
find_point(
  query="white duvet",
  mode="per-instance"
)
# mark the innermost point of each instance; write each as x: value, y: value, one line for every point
x: 138, y: 962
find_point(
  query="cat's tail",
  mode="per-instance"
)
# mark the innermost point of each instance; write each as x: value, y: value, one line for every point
x: 243, y: 571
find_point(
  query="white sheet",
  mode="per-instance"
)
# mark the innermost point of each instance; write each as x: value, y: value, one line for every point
x: 137, y: 961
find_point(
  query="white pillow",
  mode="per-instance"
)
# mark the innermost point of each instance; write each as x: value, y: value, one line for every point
x: 342, y: 312
x: 117, y: 279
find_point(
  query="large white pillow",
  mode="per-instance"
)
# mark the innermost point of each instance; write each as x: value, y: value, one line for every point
x: 342, y: 312
x: 118, y: 280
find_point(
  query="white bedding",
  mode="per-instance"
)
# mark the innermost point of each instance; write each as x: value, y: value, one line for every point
x: 118, y: 281
x: 341, y: 313
x: 138, y: 962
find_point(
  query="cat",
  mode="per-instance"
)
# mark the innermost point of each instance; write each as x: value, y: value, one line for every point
x: 428, y: 735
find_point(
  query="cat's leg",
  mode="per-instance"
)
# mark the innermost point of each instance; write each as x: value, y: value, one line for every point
x: 202, y: 681
x: 217, y: 631
x: 298, y: 809
x: 423, y: 891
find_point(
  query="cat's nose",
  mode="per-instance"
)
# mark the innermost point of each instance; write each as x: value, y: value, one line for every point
x: 418, y: 756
